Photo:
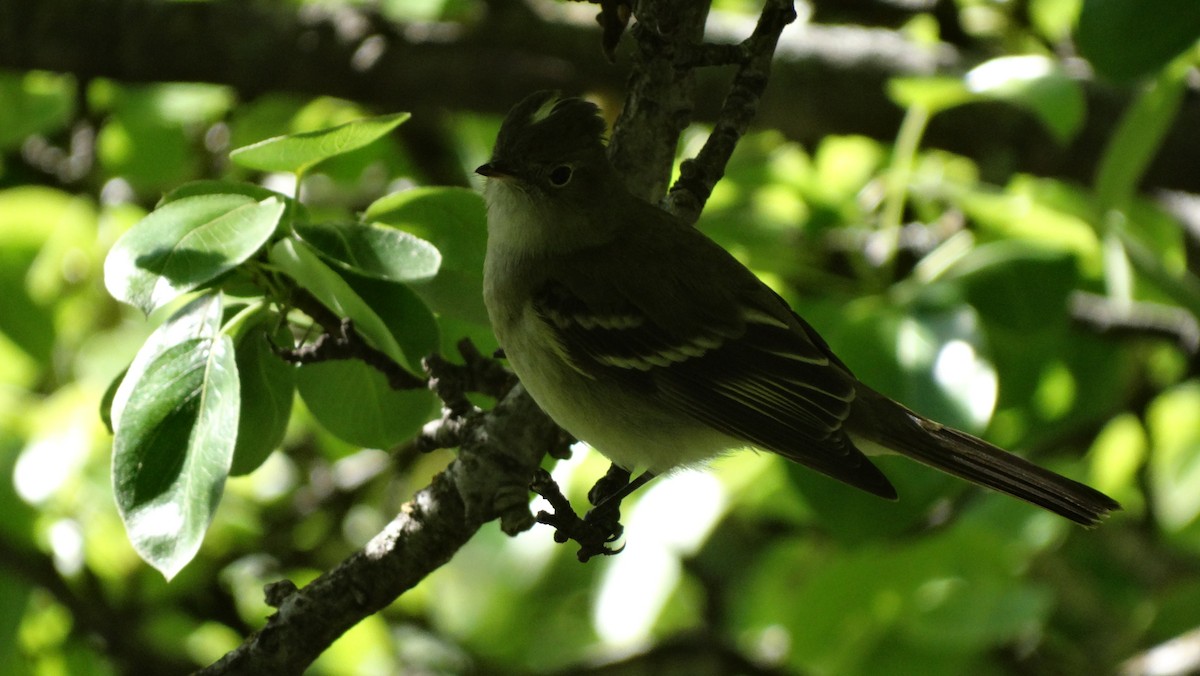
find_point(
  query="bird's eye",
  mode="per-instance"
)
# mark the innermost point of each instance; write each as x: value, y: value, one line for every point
x: 560, y: 175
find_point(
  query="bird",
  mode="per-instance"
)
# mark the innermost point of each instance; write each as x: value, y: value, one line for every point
x: 639, y: 335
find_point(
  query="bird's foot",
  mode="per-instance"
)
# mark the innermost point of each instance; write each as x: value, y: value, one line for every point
x: 595, y: 532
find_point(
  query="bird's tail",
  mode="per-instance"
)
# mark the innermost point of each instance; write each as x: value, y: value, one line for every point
x: 965, y: 456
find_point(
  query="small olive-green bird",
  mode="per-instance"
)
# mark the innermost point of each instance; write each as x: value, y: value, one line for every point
x: 644, y: 338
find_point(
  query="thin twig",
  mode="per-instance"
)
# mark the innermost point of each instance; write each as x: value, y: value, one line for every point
x: 341, y: 341
x: 1141, y: 318
x: 699, y: 175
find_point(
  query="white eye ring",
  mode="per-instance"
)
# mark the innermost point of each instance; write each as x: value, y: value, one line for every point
x: 561, y: 175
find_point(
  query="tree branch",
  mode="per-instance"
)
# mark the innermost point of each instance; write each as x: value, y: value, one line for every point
x: 659, y: 94
x: 827, y: 79
x: 1108, y: 317
x: 497, y: 457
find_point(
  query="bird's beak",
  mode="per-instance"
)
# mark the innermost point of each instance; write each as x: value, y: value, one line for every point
x: 494, y: 170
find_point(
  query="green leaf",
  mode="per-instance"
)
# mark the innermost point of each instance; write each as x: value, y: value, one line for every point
x: 383, y: 253
x: 1037, y: 84
x: 217, y: 187
x: 929, y: 355
x: 34, y: 103
x: 1175, y: 463
x: 268, y: 385
x: 15, y: 591
x: 847, y: 606
x: 149, y: 153
x: 174, y: 445
x: 294, y: 211
x: 937, y: 93
x: 1017, y: 287
x: 1126, y: 39
x: 185, y: 244
x: 455, y: 221
x: 297, y: 153
x: 298, y: 261
x: 1138, y: 137
x: 43, y: 233
x: 405, y: 314
x: 106, y: 401
x: 198, y: 319
x: 354, y: 402
x: 1020, y: 293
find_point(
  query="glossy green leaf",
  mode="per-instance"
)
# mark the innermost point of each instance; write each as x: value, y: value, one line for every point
x: 218, y: 187
x: 354, y: 402
x: 1126, y: 39
x: 174, y: 444
x: 185, y: 244
x: 380, y: 252
x: 297, y: 153
x: 268, y: 385
x: 197, y: 320
x: 455, y: 221
x: 298, y: 261
x: 293, y: 212
x: 405, y: 314
x: 106, y: 401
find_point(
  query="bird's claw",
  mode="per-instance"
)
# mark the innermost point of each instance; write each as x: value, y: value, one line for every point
x: 598, y: 529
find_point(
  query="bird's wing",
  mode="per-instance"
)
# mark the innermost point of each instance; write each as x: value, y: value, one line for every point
x: 732, y: 357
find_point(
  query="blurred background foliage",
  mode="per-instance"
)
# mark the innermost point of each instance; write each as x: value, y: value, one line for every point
x: 1058, y: 317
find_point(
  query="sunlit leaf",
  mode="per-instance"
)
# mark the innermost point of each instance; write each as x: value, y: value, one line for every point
x: 217, y: 187
x: 174, y: 445
x: 150, y: 154
x: 935, y: 93
x: 1175, y: 458
x: 1037, y: 84
x: 198, y: 319
x: 297, y: 153
x: 380, y: 252
x: 186, y: 243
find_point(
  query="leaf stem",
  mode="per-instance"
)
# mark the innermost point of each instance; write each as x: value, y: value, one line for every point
x: 908, y: 141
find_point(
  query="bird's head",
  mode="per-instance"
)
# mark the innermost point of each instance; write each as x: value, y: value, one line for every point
x: 549, y: 178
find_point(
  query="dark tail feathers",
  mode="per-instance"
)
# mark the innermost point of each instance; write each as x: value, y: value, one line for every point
x: 975, y: 460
